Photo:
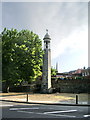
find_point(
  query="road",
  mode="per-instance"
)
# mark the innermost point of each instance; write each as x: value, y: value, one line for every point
x: 21, y: 110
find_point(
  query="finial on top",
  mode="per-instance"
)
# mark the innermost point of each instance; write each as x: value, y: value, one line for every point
x: 47, y: 30
x: 47, y: 35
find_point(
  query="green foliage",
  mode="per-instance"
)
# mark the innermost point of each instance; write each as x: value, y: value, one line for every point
x: 21, y: 56
x: 53, y: 72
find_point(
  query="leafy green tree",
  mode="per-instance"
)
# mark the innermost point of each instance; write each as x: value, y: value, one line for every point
x: 21, y: 56
x: 53, y: 72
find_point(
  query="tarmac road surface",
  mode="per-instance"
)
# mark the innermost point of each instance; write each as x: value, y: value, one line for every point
x: 22, y: 110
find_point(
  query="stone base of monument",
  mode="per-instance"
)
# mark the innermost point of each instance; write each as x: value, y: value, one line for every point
x: 47, y: 91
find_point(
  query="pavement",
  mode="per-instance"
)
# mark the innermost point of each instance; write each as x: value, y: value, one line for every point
x: 53, y: 99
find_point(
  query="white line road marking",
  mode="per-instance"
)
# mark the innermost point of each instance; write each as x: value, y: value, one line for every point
x: 25, y: 111
x: 59, y: 111
x: 22, y: 108
x: 48, y: 114
x: 5, y: 105
x: 86, y: 115
x: 62, y: 115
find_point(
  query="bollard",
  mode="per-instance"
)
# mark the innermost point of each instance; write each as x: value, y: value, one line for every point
x: 27, y: 97
x: 76, y: 99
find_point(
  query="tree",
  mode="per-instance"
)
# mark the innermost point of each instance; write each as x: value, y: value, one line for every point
x: 53, y: 72
x: 21, y: 56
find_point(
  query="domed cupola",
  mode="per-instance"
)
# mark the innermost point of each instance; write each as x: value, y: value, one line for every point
x: 47, y: 40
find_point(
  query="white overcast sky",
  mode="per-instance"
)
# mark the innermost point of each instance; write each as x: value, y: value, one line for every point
x: 67, y: 23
